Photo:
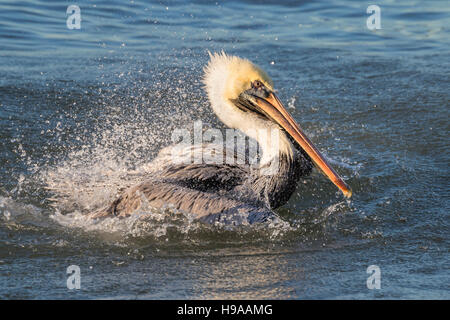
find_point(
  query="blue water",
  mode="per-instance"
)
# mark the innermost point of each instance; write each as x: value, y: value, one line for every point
x: 82, y: 110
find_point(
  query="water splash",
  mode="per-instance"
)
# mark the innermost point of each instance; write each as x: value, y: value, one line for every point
x: 133, y: 121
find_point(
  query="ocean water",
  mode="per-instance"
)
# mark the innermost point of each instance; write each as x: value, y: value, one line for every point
x: 84, y: 111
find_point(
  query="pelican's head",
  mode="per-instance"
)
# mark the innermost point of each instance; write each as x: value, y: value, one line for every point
x: 242, y: 96
x: 226, y: 78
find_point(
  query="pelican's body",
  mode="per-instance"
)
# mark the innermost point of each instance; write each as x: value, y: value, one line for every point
x: 242, y: 97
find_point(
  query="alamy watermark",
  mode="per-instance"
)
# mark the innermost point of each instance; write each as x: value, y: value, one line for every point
x: 212, y: 146
x: 74, y: 19
x: 374, y: 21
x: 374, y: 280
x: 74, y: 279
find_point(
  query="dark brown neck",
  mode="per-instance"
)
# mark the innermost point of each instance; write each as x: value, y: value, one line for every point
x: 275, y: 182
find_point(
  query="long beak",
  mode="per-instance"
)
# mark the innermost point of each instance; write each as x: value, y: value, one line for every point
x: 273, y: 107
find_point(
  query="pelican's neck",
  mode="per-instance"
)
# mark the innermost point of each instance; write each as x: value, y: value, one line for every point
x: 273, y: 142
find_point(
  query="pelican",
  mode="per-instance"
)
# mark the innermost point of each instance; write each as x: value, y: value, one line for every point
x: 242, y: 96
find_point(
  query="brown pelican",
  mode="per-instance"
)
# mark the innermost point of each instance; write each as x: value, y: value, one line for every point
x: 242, y: 97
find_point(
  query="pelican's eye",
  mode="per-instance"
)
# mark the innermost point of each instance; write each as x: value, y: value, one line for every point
x: 257, y: 84
x: 259, y: 89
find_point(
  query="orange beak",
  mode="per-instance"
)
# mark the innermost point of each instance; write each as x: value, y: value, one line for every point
x: 273, y: 107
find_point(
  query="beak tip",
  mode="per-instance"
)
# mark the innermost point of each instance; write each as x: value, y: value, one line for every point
x: 348, y: 193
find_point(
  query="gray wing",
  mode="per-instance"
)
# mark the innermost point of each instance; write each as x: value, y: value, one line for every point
x: 204, y: 190
x: 205, y: 206
x: 182, y: 166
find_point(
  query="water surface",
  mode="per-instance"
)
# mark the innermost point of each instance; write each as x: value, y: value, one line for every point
x: 85, y: 110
